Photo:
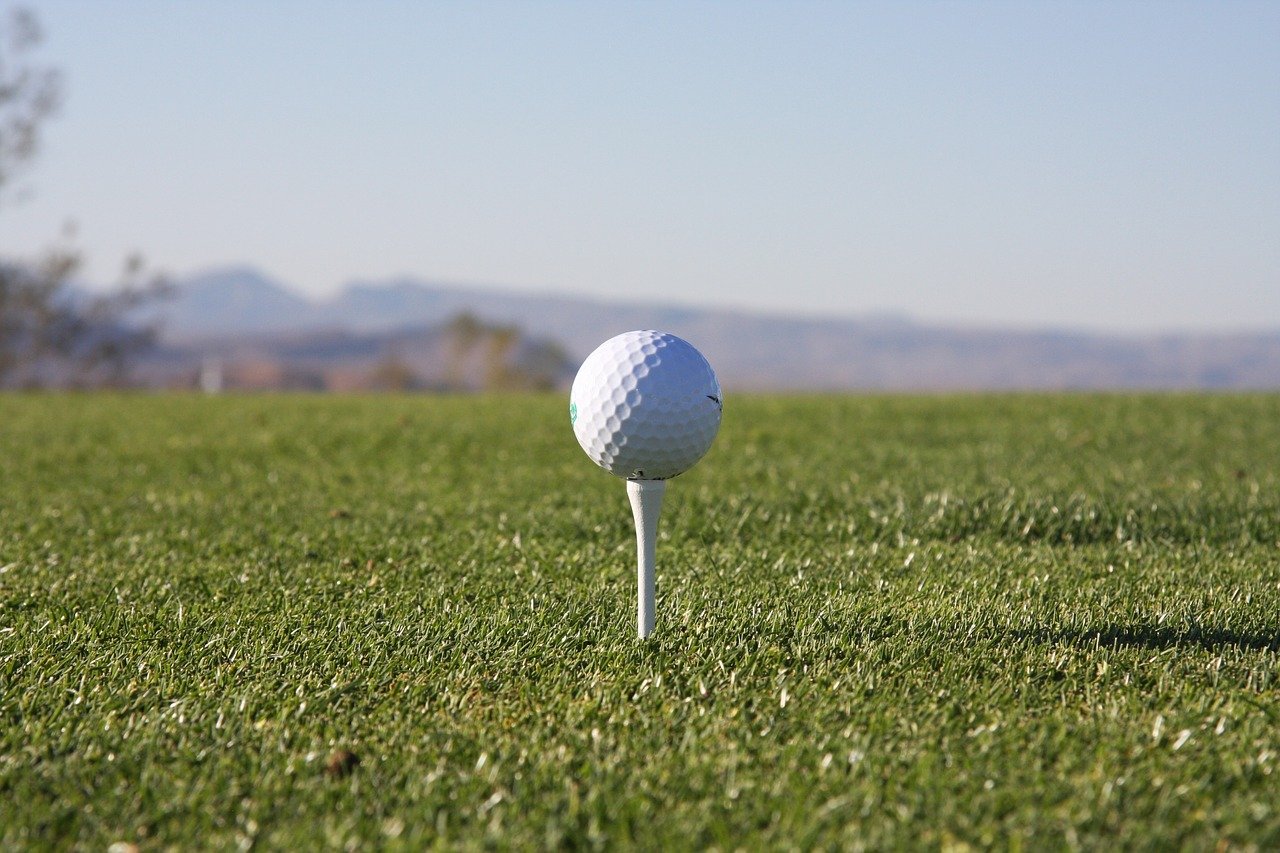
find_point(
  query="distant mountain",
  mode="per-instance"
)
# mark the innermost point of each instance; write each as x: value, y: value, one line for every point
x: 373, y: 307
x: 232, y: 301
x: 748, y: 350
x: 241, y: 301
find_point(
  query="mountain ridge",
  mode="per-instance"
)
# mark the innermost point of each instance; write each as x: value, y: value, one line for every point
x: 750, y: 349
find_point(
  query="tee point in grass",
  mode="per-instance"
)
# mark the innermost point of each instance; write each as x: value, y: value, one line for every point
x: 645, y: 406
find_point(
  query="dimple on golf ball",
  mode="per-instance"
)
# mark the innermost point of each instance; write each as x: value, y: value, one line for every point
x: 645, y: 405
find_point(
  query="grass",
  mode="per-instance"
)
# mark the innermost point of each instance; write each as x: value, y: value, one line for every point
x: 1033, y: 622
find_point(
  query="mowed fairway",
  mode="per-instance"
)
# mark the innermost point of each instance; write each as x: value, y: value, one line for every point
x: 1037, y: 621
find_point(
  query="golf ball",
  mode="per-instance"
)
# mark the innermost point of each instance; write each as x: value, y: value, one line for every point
x: 645, y: 405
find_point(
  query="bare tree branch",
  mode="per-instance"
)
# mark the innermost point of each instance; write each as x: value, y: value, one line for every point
x: 50, y: 334
x: 29, y: 93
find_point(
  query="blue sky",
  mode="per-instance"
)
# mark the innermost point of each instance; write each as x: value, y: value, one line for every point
x: 1111, y: 165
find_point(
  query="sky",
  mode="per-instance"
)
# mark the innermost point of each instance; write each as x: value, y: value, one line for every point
x: 1114, y: 166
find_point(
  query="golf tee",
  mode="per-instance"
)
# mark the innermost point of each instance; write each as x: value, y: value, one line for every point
x: 646, y: 505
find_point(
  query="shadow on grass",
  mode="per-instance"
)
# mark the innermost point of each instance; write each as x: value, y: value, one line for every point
x: 1158, y: 637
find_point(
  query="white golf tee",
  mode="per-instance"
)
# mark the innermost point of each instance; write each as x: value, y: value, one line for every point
x: 646, y: 505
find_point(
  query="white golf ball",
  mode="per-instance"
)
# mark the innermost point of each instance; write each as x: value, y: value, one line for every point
x: 645, y: 405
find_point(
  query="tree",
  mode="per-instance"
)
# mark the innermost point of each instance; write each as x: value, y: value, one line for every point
x: 500, y: 358
x: 50, y: 335
x: 29, y: 94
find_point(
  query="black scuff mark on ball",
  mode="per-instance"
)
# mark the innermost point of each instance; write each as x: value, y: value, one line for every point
x: 713, y: 398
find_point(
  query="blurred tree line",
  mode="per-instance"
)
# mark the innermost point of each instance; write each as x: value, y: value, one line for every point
x: 50, y: 333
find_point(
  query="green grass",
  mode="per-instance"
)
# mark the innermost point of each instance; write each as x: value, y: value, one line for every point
x: 1033, y: 622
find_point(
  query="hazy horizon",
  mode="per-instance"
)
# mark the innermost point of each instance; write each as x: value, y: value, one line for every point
x: 1102, y: 167
x: 500, y: 289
